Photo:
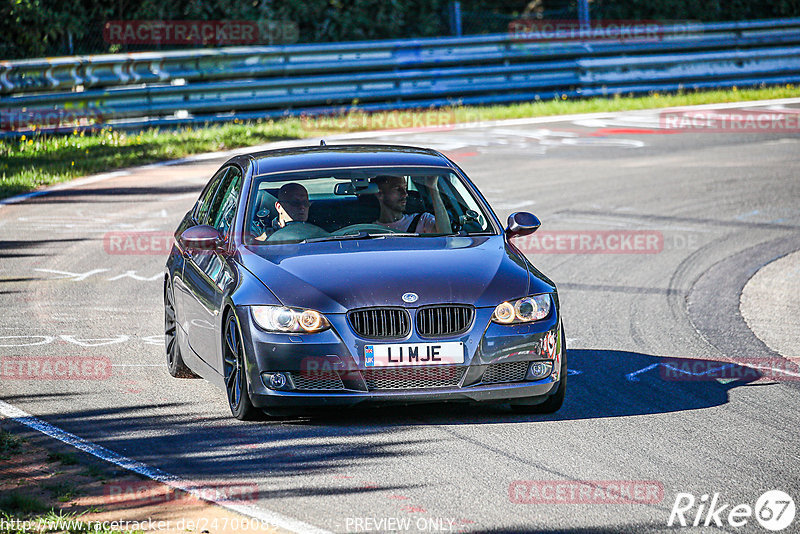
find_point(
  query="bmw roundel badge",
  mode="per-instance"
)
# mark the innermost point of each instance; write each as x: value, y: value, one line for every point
x: 410, y: 297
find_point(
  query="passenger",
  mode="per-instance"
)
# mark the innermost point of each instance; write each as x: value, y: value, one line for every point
x: 292, y: 206
x: 393, y: 195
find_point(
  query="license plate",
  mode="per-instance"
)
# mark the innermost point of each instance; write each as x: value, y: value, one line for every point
x: 397, y: 354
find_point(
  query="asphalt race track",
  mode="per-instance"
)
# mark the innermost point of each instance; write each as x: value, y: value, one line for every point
x: 712, y: 207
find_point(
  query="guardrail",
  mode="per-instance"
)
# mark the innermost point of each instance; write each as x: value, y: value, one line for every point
x: 173, y: 88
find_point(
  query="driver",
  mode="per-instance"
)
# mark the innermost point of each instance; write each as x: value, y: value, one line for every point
x: 292, y: 206
x: 392, y: 195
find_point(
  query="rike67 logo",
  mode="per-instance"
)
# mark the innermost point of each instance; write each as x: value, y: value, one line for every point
x: 774, y: 510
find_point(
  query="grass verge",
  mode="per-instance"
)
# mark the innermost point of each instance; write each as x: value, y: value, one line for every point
x: 46, y: 491
x: 9, y: 444
x: 29, y: 163
x: 54, y: 521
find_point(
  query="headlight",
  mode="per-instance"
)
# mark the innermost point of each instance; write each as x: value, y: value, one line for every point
x: 524, y: 310
x: 282, y: 319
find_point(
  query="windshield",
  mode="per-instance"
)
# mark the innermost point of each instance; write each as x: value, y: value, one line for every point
x: 362, y: 203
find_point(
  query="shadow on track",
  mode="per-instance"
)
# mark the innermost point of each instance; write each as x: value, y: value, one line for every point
x: 108, y: 194
x: 602, y: 383
x: 30, y: 249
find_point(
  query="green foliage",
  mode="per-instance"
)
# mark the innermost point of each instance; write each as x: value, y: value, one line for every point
x: 698, y: 10
x: 65, y: 458
x: 62, y: 491
x: 18, y: 503
x: 36, y: 28
x: 10, y: 444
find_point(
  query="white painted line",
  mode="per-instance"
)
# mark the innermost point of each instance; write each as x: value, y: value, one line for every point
x: 382, y: 133
x: 261, y: 514
x: 633, y: 378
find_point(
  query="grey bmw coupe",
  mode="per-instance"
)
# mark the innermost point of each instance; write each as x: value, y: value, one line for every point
x: 339, y: 275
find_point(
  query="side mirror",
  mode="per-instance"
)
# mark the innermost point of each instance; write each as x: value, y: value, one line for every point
x: 522, y: 223
x: 201, y: 237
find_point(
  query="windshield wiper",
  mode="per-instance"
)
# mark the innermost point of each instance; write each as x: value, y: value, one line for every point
x: 462, y: 233
x: 360, y: 235
x: 347, y: 237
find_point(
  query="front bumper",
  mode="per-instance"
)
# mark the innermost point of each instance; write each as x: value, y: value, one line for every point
x: 505, y: 352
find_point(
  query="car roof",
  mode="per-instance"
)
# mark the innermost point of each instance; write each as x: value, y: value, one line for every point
x: 337, y: 156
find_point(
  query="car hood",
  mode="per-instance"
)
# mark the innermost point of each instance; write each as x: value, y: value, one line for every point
x: 337, y: 276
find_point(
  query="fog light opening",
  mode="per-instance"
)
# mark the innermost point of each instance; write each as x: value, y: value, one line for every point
x: 539, y: 370
x: 275, y: 380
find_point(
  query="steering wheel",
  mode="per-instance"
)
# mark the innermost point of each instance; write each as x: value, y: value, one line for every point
x: 365, y: 227
x: 470, y: 221
x: 297, y: 231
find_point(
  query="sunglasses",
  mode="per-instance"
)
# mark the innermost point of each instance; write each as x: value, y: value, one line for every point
x: 296, y: 203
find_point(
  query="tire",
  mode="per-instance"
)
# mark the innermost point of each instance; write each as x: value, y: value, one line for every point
x: 175, y: 364
x: 234, y: 372
x: 554, y: 402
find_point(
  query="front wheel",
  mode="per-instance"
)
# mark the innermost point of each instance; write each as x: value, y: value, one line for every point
x: 555, y: 401
x: 234, y: 371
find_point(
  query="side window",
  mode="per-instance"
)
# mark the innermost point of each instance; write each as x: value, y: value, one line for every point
x: 210, y: 214
x: 204, y: 203
x: 218, y: 209
x: 469, y: 213
x: 227, y: 200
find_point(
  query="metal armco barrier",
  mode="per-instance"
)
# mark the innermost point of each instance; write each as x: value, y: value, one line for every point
x: 217, y: 85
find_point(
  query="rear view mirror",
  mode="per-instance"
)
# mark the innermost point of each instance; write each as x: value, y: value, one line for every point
x: 201, y: 237
x: 522, y: 223
x: 357, y: 188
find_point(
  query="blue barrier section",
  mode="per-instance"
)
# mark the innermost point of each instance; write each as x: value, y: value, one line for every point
x: 171, y: 89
